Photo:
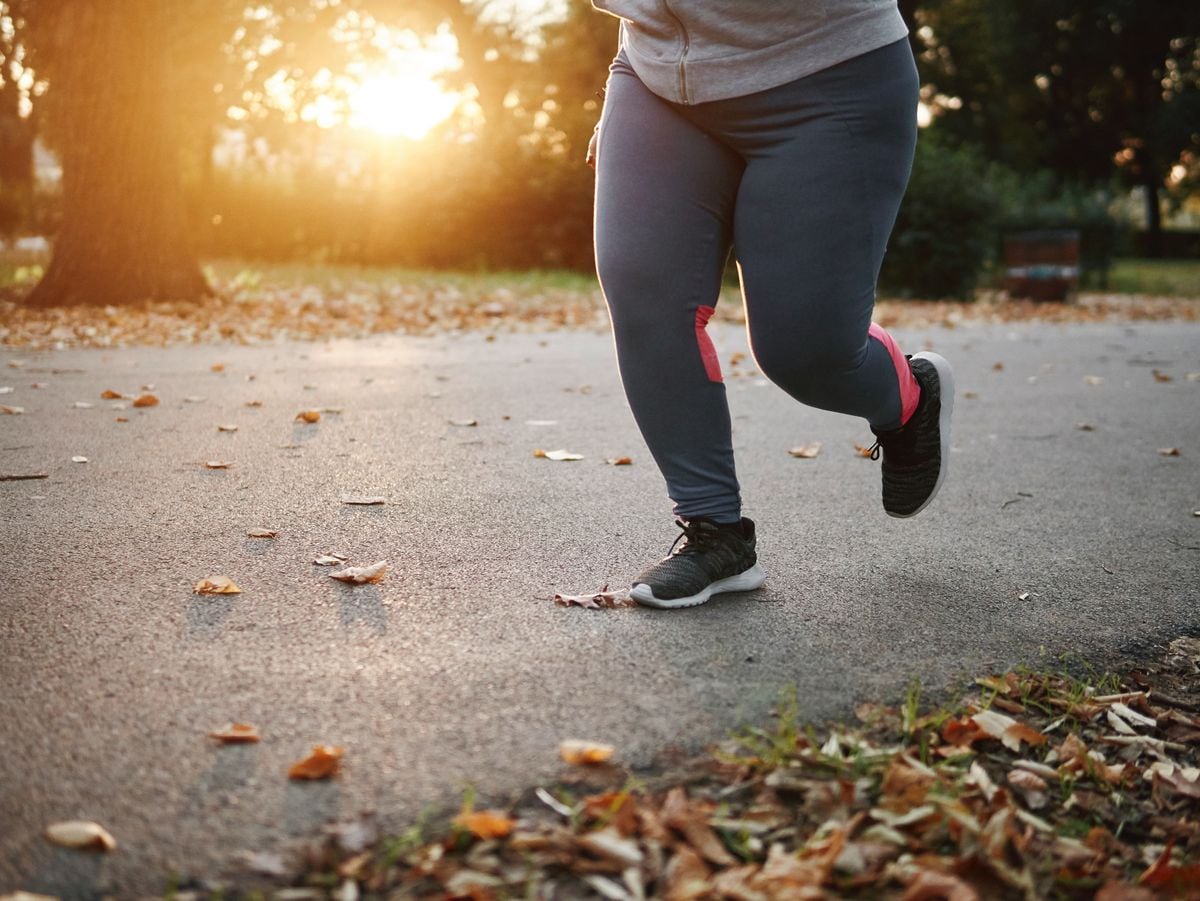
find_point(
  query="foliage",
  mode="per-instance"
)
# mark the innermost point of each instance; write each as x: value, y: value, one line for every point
x: 1043, y: 200
x: 1082, y: 87
x: 945, y: 230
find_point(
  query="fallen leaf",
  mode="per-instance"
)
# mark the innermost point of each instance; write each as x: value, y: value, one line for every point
x: 7, y: 389
x: 79, y: 459
x: 145, y: 400
x: 998, y: 366
x: 931, y: 885
x: 1085, y: 426
x: 1162, y: 874
x: 1010, y: 732
x: 609, y: 843
x: 193, y: 399
x: 557, y: 455
x: 264, y: 863
x: 84, y: 405
x: 81, y: 834
x: 363, y: 500
x: 217, y: 464
x: 485, y: 824
x: 254, y: 403
x: 330, y: 560
x: 1169, y: 451
x: 309, y: 416
x: 1093, y: 380
x: 619, y: 461
x: 122, y: 419
x: 1031, y: 787
x: 217, y: 585
x: 361, y: 575
x: 217, y: 367
x: 109, y: 394
x: 971, y: 395
x: 466, y: 423
x: 11, y: 411
x: 323, y: 762
x: 601, y: 600
x: 235, y: 733
x: 576, y: 752
x: 806, y: 451
x: 1160, y: 376
x: 262, y: 533
x: 541, y: 422
x: 226, y: 428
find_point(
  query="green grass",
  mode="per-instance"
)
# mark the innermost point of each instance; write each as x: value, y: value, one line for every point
x: 1160, y: 277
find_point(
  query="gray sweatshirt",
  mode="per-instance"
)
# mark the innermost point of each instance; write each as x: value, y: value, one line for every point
x: 694, y: 51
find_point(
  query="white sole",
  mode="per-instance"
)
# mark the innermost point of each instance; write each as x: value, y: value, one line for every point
x: 946, y: 389
x: 744, y: 581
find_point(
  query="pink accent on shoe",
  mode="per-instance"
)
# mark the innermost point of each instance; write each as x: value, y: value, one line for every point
x: 708, y: 353
x: 910, y: 391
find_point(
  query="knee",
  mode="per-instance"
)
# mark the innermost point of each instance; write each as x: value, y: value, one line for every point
x: 803, y: 364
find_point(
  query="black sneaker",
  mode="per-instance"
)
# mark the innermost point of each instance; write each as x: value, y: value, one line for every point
x: 915, y: 456
x: 706, y: 559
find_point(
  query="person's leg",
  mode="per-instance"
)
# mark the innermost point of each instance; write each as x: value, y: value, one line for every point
x: 665, y: 193
x: 816, y: 205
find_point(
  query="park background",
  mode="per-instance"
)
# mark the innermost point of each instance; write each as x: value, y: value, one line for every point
x: 163, y: 147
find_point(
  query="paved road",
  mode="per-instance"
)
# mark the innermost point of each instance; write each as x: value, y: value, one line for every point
x: 458, y: 669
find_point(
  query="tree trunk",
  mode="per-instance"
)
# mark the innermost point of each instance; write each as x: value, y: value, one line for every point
x: 124, y: 230
x: 1154, y: 242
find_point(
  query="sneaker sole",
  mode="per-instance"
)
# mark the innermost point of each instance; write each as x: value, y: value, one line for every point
x: 744, y: 581
x: 946, y: 389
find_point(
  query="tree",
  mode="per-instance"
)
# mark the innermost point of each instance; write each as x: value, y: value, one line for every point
x: 1088, y: 88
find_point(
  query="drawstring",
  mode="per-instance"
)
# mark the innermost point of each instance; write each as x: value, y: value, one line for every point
x: 875, y: 449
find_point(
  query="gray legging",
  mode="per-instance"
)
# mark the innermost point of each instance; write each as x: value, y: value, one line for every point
x: 803, y: 181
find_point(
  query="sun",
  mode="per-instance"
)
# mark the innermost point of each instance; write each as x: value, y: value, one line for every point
x: 399, y: 103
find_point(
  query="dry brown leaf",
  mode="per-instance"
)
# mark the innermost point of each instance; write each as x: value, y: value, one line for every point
x: 323, y: 762
x: 226, y: 428
x: 217, y: 464
x: 78, y: 459
x: 485, y: 824
x: 807, y: 451
x: 11, y: 411
x: 236, y: 733
x: 465, y: 423
x: 1160, y: 376
x: 330, y: 560
x: 1183, y: 882
x: 83, y: 405
x: 931, y: 885
x: 1010, y: 732
x: 217, y: 585
x: 1085, y: 426
x: 309, y: 416
x: 1121, y: 891
x: 619, y: 461
x: 83, y: 835
x: 577, y: 751
x: 1093, y: 380
x: 998, y: 366
x: 145, y: 400
x: 109, y: 394
x: 904, y: 787
x: 262, y: 533
x: 1031, y: 787
x: 1169, y: 451
x: 363, y: 500
x: 609, y: 843
x: 122, y: 419
x: 601, y: 600
x: 686, y: 876
x: 217, y: 367
x: 362, y: 575
x: 557, y: 455
x: 253, y: 403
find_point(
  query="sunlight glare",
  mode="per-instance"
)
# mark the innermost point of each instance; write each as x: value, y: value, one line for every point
x: 399, y: 103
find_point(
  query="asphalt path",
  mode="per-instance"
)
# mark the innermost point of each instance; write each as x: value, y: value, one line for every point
x: 458, y: 669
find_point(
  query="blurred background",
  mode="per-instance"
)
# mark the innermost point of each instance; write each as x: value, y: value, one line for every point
x: 141, y: 140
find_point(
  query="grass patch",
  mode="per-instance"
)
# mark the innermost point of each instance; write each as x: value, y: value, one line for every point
x: 1166, y: 278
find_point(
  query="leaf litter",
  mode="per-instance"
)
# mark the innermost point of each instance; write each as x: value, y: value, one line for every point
x: 1015, y: 790
x: 600, y: 600
x: 361, y: 575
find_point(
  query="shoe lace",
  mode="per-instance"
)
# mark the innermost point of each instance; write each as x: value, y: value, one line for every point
x: 695, y: 537
x: 875, y: 449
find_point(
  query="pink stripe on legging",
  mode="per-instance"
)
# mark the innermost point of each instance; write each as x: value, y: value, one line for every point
x: 910, y: 391
x: 708, y: 353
